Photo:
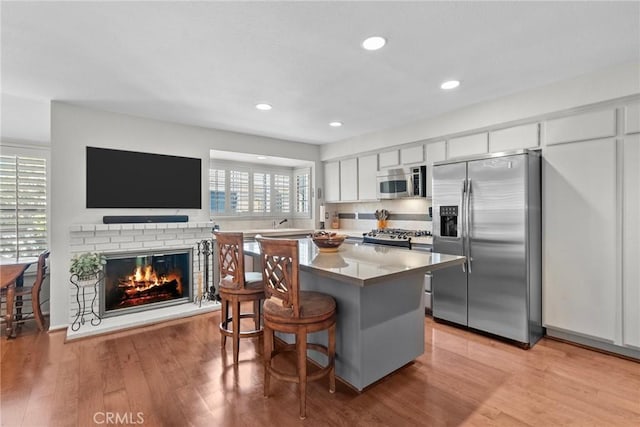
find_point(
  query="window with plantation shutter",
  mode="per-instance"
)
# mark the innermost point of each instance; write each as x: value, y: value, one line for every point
x: 281, y: 193
x: 217, y: 190
x: 303, y: 190
x: 23, y: 206
x: 261, y: 192
x: 239, y: 191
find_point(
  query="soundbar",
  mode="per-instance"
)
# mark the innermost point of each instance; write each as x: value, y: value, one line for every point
x: 135, y: 219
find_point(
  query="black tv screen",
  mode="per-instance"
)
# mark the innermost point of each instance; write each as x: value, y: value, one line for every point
x: 128, y: 179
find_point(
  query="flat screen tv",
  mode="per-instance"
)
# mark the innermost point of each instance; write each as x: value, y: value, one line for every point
x: 129, y: 179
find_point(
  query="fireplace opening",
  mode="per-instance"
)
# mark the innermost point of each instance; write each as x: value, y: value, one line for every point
x: 135, y: 282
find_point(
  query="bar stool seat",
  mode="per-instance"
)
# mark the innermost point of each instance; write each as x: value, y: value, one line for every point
x: 235, y: 287
x: 287, y: 309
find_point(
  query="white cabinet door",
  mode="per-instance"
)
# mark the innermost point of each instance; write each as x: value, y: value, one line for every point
x: 436, y: 151
x: 468, y: 145
x: 598, y: 124
x: 349, y: 180
x: 632, y: 119
x: 579, y: 235
x: 389, y: 159
x: 367, y: 170
x: 332, y: 181
x: 514, y: 138
x: 412, y: 155
x: 631, y: 243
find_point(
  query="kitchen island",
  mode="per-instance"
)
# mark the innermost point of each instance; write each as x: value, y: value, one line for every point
x: 379, y: 292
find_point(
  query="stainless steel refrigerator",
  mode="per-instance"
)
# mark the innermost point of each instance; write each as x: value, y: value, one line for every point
x: 488, y: 209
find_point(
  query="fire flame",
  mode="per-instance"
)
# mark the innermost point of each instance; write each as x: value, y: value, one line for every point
x: 144, y: 278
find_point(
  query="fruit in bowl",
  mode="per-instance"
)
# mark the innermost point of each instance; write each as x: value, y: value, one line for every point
x: 327, y: 241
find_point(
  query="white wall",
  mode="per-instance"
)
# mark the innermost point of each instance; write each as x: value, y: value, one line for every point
x: 612, y: 83
x: 73, y: 128
x: 24, y: 119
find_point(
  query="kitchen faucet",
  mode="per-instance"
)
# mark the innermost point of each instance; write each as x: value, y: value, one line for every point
x: 280, y: 223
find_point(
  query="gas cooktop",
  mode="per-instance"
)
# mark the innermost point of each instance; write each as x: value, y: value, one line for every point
x: 393, y: 236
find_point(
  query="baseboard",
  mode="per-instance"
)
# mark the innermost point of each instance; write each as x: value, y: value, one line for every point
x: 603, y: 347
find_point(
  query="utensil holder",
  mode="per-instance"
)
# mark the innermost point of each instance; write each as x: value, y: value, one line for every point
x: 382, y: 224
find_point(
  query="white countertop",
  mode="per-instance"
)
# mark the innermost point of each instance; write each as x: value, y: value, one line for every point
x: 365, y: 264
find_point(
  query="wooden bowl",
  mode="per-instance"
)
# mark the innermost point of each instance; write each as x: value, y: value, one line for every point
x: 328, y: 243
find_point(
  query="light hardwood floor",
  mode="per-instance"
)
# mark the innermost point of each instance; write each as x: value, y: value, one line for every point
x: 175, y: 374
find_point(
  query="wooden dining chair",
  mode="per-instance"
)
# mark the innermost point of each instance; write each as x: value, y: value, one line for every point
x: 19, y: 295
x: 237, y: 286
x: 287, y: 309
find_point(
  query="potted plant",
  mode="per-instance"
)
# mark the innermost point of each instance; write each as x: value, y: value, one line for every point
x: 86, y: 266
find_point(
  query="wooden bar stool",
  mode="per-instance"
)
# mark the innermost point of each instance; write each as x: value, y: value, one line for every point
x: 237, y: 286
x: 289, y: 310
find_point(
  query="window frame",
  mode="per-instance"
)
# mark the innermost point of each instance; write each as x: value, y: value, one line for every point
x: 34, y: 150
x: 252, y: 169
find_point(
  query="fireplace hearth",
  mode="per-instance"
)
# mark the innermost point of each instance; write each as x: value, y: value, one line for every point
x: 144, y: 281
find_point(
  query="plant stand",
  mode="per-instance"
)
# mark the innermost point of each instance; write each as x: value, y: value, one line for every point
x: 82, y: 309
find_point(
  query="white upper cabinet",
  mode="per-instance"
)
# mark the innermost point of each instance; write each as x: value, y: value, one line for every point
x: 367, y: 171
x: 631, y: 243
x: 389, y: 159
x: 632, y: 119
x: 349, y: 179
x: 332, y: 181
x: 580, y: 253
x: 468, y: 145
x: 514, y: 138
x: 436, y: 151
x: 598, y: 124
x: 411, y: 155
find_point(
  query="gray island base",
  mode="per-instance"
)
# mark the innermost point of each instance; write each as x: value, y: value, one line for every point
x: 379, y: 292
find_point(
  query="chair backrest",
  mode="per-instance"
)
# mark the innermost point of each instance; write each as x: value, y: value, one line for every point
x: 231, y: 259
x: 42, y: 270
x: 280, y: 271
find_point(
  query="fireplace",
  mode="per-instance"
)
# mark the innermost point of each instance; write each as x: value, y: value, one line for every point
x: 143, y: 281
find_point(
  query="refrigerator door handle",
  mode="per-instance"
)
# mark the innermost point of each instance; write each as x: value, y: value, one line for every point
x: 468, y: 222
x: 462, y: 220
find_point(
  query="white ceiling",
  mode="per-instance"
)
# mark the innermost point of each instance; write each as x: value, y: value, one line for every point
x: 209, y: 63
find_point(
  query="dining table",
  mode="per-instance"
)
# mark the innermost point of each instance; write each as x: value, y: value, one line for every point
x: 11, y: 276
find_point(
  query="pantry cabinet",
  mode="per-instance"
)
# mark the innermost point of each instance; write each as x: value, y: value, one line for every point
x: 592, y: 125
x: 580, y: 238
x: 631, y: 242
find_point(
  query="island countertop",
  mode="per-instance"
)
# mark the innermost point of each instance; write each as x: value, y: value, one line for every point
x: 365, y: 264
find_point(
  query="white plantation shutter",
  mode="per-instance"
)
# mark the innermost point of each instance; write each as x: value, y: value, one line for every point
x: 217, y: 190
x: 303, y: 189
x: 261, y: 192
x: 282, y: 193
x: 238, y: 191
x: 23, y: 206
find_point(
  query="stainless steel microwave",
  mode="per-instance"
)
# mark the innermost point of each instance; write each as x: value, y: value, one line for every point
x: 402, y: 182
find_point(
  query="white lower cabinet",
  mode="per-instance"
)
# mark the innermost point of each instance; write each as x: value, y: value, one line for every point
x: 580, y: 268
x: 631, y: 243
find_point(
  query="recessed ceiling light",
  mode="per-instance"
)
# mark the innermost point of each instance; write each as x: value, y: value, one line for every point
x: 264, y: 107
x: 335, y: 124
x: 374, y: 43
x: 261, y: 158
x: 450, y: 84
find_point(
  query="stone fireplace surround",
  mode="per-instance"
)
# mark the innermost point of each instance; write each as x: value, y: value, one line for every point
x: 112, y: 238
